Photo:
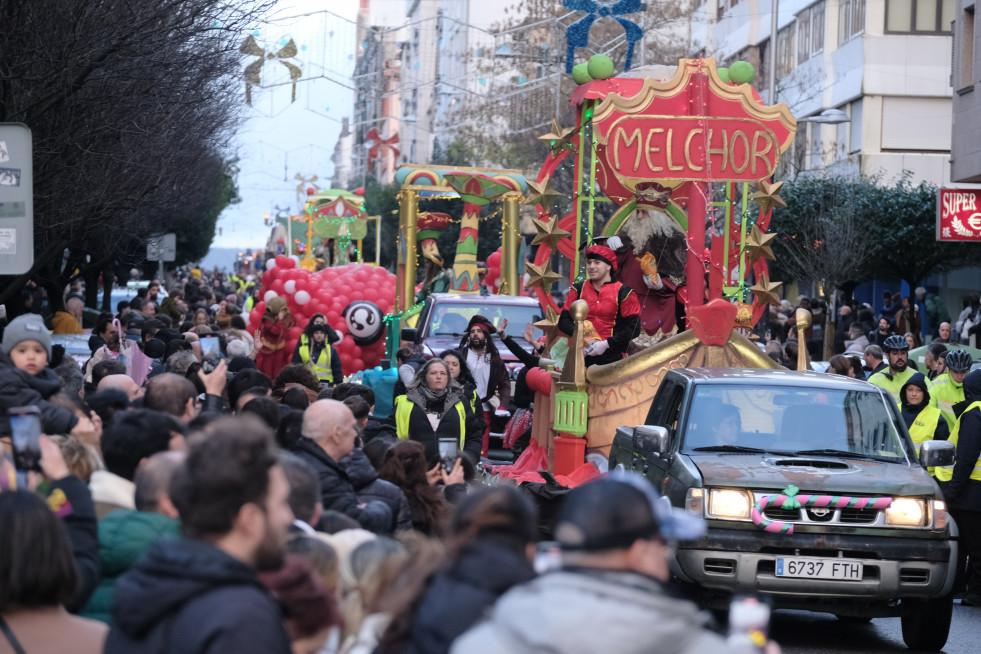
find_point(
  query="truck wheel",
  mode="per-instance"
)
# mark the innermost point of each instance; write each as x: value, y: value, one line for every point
x: 927, y: 625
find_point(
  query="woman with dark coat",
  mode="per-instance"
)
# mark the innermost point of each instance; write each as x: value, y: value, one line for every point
x: 491, y: 548
x: 459, y: 372
x: 434, y: 409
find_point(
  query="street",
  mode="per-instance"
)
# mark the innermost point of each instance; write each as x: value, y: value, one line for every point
x: 801, y: 632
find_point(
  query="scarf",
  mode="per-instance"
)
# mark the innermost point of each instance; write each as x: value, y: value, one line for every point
x: 430, y: 401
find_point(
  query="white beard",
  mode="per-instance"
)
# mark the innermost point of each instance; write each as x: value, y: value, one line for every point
x: 644, y: 225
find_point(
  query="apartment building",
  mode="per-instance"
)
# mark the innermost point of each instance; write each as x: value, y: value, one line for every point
x: 885, y: 63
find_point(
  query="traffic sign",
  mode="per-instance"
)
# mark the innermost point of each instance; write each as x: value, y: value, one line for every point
x: 162, y: 248
x: 16, y: 199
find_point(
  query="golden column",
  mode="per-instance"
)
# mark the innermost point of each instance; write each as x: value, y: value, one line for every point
x: 509, y: 243
x: 408, y: 212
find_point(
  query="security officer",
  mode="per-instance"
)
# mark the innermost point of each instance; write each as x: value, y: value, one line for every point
x: 924, y: 421
x: 319, y: 356
x: 898, y: 373
x: 948, y: 389
x: 961, y: 483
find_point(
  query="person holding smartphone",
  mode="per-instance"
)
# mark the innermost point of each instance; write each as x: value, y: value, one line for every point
x: 26, y: 379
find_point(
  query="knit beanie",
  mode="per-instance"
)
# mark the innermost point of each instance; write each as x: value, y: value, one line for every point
x: 28, y: 327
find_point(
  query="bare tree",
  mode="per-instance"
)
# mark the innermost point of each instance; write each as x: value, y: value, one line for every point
x: 825, y: 238
x: 130, y: 104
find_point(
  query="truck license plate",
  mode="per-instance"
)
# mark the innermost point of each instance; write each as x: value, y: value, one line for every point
x: 815, y: 568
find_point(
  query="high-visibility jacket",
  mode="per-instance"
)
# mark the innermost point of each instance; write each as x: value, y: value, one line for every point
x: 238, y: 281
x: 893, y: 383
x: 403, y: 410
x: 320, y: 367
x: 946, y: 473
x: 944, y: 394
x: 924, y: 428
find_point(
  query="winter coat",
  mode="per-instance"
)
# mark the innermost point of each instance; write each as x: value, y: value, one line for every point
x: 857, y: 346
x: 336, y: 490
x: 585, y: 611
x: 70, y: 498
x: 458, y: 597
x: 124, y: 536
x: 189, y: 597
x: 962, y: 492
x: 369, y: 487
x: 421, y: 430
x: 21, y: 388
x: 375, y: 428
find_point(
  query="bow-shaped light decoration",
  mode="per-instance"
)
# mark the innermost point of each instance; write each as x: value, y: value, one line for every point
x: 377, y: 143
x: 250, y: 47
x: 301, y: 188
x: 577, y: 34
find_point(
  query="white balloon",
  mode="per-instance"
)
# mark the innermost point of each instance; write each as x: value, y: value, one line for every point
x: 290, y: 286
x: 295, y: 257
x: 247, y: 317
x: 270, y: 264
x: 270, y: 295
x: 301, y: 297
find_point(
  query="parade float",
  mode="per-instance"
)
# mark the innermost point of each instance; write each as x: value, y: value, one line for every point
x: 684, y: 152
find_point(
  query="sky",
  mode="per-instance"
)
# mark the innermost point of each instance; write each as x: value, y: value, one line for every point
x: 282, y: 137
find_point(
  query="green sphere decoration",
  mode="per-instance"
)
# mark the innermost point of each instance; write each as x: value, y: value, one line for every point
x: 741, y: 72
x: 580, y: 74
x: 600, y: 67
x: 723, y: 74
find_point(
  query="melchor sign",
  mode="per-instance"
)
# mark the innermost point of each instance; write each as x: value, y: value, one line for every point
x: 693, y: 127
x: 647, y: 147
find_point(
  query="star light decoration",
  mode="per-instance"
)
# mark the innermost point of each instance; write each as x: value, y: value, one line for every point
x: 759, y: 245
x: 541, y: 275
x: 550, y: 325
x: 549, y: 233
x: 766, y: 291
x: 768, y: 196
x: 542, y: 193
x: 559, y: 139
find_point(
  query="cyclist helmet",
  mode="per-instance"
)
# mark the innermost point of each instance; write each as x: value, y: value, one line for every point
x: 896, y: 342
x: 959, y: 360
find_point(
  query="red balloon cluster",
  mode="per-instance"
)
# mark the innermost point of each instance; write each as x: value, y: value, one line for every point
x: 539, y: 380
x: 493, y: 278
x: 328, y: 292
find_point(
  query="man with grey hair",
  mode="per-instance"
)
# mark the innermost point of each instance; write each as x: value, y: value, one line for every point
x: 873, y: 360
x: 180, y: 361
x: 328, y: 434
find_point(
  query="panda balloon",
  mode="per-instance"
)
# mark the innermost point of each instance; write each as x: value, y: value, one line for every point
x: 364, y: 322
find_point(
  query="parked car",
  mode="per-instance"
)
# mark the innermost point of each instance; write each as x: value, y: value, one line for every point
x: 812, y: 490
x: 444, y: 318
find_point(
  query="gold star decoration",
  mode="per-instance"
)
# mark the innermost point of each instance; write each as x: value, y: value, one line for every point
x: 549, y: 233
x: 768, y: 196
x: 542, y: 193
x: 766, y: 291
x: 550, y: 325
x: 541, y: 275
x: 759, y: 245
x: 559, y: 139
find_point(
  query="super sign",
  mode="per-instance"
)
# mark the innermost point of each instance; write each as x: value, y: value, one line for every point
x: 959, y: 214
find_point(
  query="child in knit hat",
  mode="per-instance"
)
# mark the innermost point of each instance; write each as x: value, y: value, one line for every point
x: 26, y: 379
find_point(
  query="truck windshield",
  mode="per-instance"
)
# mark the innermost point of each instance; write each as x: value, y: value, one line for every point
x: 451, y: 319
x: 794, y: 420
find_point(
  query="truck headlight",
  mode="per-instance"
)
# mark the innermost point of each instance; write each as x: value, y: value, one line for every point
x: 730, y: 503
x: 906, y: 512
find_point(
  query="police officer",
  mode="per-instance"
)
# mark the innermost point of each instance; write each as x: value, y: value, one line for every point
x: 948, y: 389
x: 898, y: 373
x: 961, y: 483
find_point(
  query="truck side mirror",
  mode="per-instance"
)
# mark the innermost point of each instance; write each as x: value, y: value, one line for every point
x: 650, y: 438
x: 409, y: 334
x: 937, y: 453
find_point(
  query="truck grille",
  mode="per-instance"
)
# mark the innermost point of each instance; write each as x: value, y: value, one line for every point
x: 820, y: 515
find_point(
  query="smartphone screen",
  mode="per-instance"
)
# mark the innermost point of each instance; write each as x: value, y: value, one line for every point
x: 448, y: 448
x: 210, y: 352
x: 25, y: 427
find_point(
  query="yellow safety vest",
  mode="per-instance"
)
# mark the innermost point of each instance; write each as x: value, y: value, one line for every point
x: 403, y: 409
x: 944, y: 394
x: 320, y: 367
x: 946, y: 473
x: 890, y: 382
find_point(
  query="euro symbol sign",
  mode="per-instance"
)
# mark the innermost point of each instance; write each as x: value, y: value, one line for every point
x: 975, y: 222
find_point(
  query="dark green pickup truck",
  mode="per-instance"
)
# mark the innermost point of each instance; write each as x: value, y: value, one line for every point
x: 813, y: 492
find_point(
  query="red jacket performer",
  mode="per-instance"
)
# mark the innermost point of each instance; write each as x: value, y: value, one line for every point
x: 613, y: 308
